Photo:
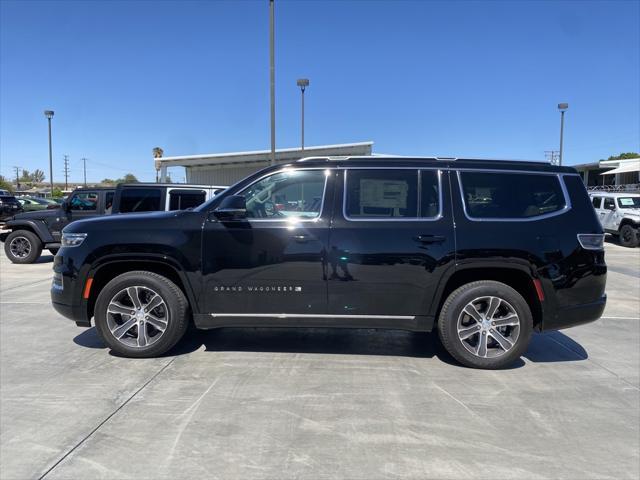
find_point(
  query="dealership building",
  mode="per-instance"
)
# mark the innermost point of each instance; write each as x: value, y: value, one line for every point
x: 228, y: 168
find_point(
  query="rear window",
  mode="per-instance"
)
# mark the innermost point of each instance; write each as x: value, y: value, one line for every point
x: 511, y: 195
x: 183, y: 199
x: 408, y: 194
x: 140, y: 200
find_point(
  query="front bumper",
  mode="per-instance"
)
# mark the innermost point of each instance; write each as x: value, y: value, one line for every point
x: 576, y: 315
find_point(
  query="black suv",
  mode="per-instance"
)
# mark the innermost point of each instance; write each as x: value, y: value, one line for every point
x: 484, y: 251
x: 9, y: 206
x: 33, y: 231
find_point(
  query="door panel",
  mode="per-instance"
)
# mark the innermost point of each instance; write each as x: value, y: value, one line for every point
x: 389, y: 256
x: 273, y: 261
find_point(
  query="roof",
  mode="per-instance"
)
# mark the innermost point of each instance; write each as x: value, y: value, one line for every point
x: 604, y: 193
x: 169, y: 185
x: 282, y: 155
x: 374, y: 161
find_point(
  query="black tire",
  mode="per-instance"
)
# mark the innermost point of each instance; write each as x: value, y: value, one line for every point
x: 628, y: 236
x: 53, y: 251
x: 175, y: 307
x: 17, y: 243
x: 452, y: 311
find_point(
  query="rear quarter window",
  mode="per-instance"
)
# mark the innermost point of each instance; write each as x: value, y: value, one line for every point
x: 140, y: 200
x: 488, y: 195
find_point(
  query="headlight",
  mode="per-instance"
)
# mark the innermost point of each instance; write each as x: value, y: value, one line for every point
x: 73, y: 239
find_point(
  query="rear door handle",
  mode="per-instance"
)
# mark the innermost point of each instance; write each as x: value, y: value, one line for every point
x: 430, y: 238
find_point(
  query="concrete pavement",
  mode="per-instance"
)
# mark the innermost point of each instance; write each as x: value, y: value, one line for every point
x: 315, y: 403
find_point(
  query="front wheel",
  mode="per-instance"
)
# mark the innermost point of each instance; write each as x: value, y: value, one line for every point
x: 628, y: 236
x: 22, y: 246
x: 141, y: 314
x: 485, y: 324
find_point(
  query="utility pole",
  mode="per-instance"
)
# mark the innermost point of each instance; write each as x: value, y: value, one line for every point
x: 303, y: 83
x: 17, y: 169
x: 49, y: 115
x: 84, y: 167
x: 563, y: 108
x: 272, y: 75
x: 66, y: 172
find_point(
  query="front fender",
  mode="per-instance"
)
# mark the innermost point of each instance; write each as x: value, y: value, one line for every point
x: 36, y: 226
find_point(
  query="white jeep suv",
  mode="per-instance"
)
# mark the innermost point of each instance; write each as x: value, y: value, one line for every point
x: 619, y: 214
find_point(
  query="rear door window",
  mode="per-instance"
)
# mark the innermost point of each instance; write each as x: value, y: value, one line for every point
x: 140, y: 200
x: 609, y: 204
x: 183, y: 199
x: 391, y: 194
x: 509, y: 195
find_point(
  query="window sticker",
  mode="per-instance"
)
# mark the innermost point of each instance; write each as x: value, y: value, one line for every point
x: 626, y: 202
x: 383, y: 193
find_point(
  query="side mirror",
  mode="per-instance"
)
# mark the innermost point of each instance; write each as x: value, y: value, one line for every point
x: 233, y: 207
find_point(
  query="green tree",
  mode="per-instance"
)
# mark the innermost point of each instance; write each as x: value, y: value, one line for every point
x: 5, y: 185
x: 128, y: 178
x: 624, y: 156
x: 57, y: 192
x: 37, y: 176
x: 26, y: 176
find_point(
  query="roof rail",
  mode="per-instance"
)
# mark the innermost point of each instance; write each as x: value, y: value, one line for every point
x: 447, y: 158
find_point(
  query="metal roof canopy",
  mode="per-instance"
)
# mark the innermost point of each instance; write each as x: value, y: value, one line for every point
x: 624, y: 168
x: 261, y: 156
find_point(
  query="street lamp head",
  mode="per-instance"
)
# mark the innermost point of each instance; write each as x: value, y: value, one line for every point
x: 303, y: 83
x: 48, y: 114
x: 563, y: 106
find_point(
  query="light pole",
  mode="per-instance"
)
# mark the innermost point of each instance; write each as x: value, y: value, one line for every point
x: 272, y: 81
x: 563, y: 108
x: 49, y: 115
x: 303, y: 83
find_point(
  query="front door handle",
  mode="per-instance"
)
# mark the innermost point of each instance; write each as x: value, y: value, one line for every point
x: 300, y: 238
x: 430, y: 238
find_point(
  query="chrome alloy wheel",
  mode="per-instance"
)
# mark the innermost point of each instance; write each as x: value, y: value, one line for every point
x: 20, y: 247
x: 488, y: 327
x: 137, y: 316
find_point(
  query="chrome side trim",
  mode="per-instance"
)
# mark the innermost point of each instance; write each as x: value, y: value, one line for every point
x: 393, y: 219
x: 565, y: 209
x: 308, y: 315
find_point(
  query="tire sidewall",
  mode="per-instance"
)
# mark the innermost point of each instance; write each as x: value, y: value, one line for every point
x: 448, y: 323
x: 34, y: 241
x: 173, y: 299
x: 634, y: 236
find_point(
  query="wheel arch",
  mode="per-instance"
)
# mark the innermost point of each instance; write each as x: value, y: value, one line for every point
x: 517, y: 277
x: 109, y: 269
x: 628, y: 221
x: 33, y: 227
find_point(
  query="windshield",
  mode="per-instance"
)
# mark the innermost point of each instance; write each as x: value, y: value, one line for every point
x: 629, y: 202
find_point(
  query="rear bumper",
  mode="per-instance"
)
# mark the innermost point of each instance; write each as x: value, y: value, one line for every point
x: 576, y: 315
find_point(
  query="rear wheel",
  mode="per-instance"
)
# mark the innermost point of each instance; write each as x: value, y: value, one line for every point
x: 485, y: 324
x: 22, y: 246
x: 628, y: 236
x: 141, y: 314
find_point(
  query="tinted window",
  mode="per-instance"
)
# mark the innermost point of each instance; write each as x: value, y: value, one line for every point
x: 181, y: 199
x: 429, y: 193
x: 511, y: 195
x: 596, y: 202
x: 382, y: 194
x: 108, y: 202
x: 85, y: 201
x: 140, y: 200
x: 609, y: 204
x: 8, y: 199
x: 295, y: 193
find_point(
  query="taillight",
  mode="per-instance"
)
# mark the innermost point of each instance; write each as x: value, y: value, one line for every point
x: 591, y: 241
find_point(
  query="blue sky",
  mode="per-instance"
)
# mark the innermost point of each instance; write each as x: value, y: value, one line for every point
x: 455, y: 78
